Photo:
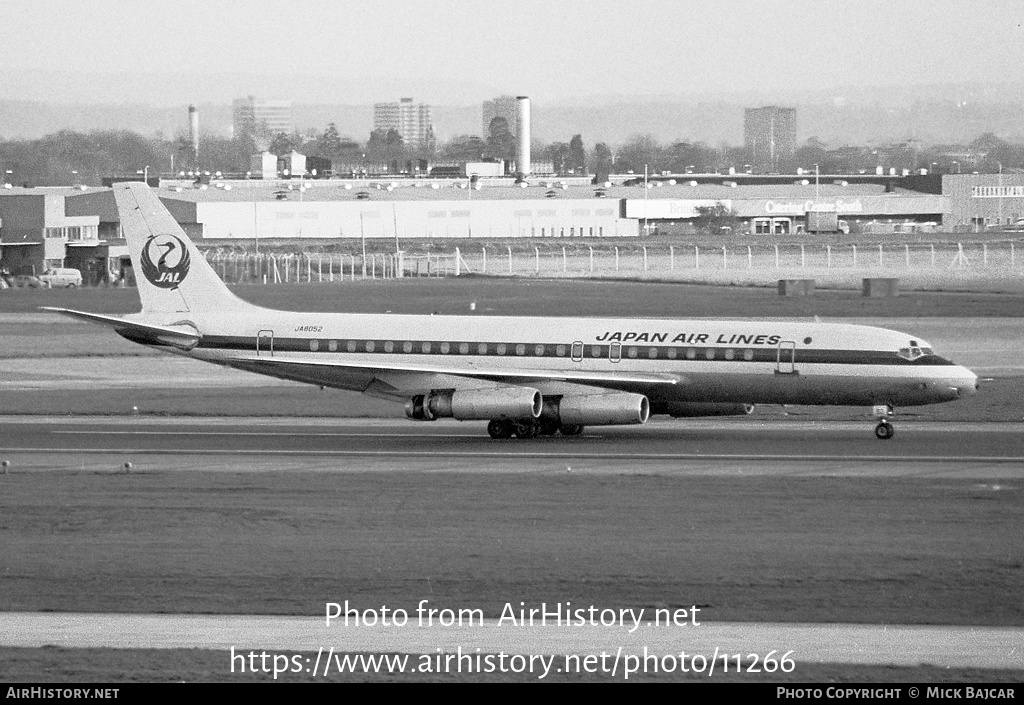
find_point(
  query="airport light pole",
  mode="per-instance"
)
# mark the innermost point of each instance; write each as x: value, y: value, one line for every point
x: 394, y: 223
x: 469, y: 187
x: 362, y: 235
x: 1000, y: 192
x: 255, y: 226
x: 646, y: 230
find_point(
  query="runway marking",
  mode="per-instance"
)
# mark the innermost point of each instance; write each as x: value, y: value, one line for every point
x: 532, y: 455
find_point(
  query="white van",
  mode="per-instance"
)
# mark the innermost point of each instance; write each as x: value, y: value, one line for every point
x: 59, y: 278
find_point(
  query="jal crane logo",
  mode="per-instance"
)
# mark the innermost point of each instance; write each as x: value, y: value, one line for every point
x: 163, y: 274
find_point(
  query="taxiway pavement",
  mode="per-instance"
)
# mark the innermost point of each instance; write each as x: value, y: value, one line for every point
x: 698, y: 446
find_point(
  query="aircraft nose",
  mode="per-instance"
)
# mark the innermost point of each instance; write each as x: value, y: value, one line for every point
x: 966, y: 383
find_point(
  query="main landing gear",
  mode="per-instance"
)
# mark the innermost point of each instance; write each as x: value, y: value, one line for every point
x: 530, y: 428
x: 884, y: 430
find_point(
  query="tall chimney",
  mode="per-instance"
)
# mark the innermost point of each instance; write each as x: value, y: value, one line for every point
x: 523, y: 135
x: 193, y: 132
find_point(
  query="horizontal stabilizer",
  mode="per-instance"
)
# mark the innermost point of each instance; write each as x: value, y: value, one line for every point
x: 184, y: 337
x: 498, y: 375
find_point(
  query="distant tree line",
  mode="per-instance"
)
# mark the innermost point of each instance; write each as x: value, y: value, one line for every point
x: 68, y: 157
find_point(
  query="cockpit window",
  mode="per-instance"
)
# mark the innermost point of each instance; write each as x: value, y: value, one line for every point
x: 914, y: 352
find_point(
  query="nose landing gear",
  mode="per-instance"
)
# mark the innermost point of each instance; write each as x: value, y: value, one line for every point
x: 884, y: 430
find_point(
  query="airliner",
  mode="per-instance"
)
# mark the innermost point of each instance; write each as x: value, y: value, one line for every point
x: 526, y: 376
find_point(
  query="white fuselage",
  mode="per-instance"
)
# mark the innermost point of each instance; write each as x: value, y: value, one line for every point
x: 695, y: 360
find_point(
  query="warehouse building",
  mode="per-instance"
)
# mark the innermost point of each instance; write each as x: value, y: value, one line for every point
x: 781, y: 209
x: 980, y: 202
x: 38, y: 231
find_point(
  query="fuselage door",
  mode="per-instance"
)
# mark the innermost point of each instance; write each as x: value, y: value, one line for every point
x: 785, y: 360
x: 577, y: 351
x: 615, y: 352
x: 265, y: 343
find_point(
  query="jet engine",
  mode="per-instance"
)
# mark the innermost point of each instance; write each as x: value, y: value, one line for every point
x: 512, y: 403
x: 608, y: 409
x: 681, y: 409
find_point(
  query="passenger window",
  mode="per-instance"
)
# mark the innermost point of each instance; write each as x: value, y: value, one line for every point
x: 691, y: 353
x: 730, y: 354
x: 445, y: 347
x: 425, y: 347
x: 539, y: 351
x: 577, y: 351
x: 407, y: 347
x: 314, y: 345
x: 350, y: 346
x: 710, y: 353
x: 748, y: 354
x: 333, y: 346
x: 652, y: 353
x: 481, y: 349
x: 595, y: 351
x: 389, y: 346
x: 501, y: 348
x: 369, y: 346
x: 631, y: 351
x: 463, y: 348
x: 560, y: 350
x: 671, y: 353
x: 520, y: 349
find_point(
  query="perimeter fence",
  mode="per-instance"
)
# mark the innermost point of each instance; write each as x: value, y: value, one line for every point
x: 922, y: 264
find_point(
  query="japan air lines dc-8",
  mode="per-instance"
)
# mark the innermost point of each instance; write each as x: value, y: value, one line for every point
x: 527, y: 376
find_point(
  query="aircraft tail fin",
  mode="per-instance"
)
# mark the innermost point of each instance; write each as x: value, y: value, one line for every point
x: 172, y: 274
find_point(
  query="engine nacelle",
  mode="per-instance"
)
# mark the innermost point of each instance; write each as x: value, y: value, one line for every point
x: 477, y: 404
x: 609, y: 409
x: 682, y: 409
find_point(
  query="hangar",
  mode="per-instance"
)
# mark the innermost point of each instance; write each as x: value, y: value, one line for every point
x: 416, y: 209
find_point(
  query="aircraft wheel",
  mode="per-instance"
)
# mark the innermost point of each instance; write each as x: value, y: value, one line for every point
x: 884, y: 430
x: 500, y: 429
x: 526, y: 429
x: 571, y: 429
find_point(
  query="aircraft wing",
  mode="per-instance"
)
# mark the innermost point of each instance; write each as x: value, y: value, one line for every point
x: 180, y: 337
x: 509, y: 376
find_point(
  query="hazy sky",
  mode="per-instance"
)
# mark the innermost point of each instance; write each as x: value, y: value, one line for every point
x: 462, y: 51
